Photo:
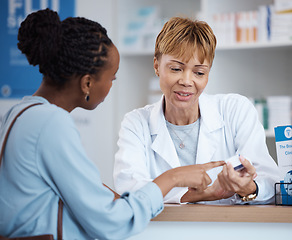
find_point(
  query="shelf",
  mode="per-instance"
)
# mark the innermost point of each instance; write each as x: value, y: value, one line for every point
x: 238, y: 46
x: 266, y: 45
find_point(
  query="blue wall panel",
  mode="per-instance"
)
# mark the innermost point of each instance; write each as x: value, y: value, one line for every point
x: 17, y: 77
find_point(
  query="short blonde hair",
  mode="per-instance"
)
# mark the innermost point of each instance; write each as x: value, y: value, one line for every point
x: 182, y: 37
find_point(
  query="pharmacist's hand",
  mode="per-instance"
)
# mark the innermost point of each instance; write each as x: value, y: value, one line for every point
x: 240, y: 182
x: 211, y: 193
x: 216, y: 192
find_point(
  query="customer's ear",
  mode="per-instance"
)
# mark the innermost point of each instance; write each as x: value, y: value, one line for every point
x: 85, y: 83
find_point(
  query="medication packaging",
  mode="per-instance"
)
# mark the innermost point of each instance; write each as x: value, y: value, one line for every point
x: 235, y: 162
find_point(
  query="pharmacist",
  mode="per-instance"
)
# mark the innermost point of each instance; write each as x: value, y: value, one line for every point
x: 188, y: 126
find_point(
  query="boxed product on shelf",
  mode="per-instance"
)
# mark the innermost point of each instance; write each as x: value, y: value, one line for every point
x: 247, y: 26
x: 224, y: 27
x: 283, y: 6
x: 274, y: 26
x: 281, y: 26
x: 240, y: 27
x: 265, y: 24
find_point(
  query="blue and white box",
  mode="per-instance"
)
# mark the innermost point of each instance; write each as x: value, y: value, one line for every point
x: 283, y: 137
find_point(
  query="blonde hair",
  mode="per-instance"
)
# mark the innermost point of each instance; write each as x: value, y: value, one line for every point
x: 182, y: 37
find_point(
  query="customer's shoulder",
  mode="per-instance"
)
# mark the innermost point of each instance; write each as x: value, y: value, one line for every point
x: 52, y: 111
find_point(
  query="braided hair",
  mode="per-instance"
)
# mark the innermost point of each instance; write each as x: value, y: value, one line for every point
x: 73, y: 47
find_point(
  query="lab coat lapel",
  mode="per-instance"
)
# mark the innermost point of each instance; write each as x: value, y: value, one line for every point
x: 211, y: 122
x: 207, y: 145
x: 162, y: 143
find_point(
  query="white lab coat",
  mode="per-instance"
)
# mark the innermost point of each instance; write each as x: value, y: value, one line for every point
x: 229, y: 126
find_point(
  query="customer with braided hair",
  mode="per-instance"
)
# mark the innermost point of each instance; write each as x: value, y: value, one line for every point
x: 44, y: 160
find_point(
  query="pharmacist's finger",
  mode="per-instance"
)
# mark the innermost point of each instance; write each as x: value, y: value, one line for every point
x: 223, y: 178
x: 232, y: 174
x: 230, y: 177
x: 249, y: 168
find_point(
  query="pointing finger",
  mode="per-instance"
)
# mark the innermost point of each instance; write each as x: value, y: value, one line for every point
x: 213, y: 164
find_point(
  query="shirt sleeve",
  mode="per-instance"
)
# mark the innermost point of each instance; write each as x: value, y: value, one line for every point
x: 66, y: 168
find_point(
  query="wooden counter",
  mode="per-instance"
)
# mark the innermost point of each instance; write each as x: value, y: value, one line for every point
x: 234, y: 213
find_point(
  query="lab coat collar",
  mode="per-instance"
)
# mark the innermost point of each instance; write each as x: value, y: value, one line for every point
x: 211, y: 120
x: 210, y: 116
x: 162, y: 144
x: 157, y: 118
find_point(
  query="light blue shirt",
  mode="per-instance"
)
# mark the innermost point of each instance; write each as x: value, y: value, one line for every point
x: 44, y: 160
x: 188, y: 136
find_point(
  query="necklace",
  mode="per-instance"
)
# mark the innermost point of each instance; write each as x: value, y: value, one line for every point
x: 182, y: 145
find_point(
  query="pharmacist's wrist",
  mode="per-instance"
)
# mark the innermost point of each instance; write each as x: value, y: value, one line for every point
x: 251, y: 191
